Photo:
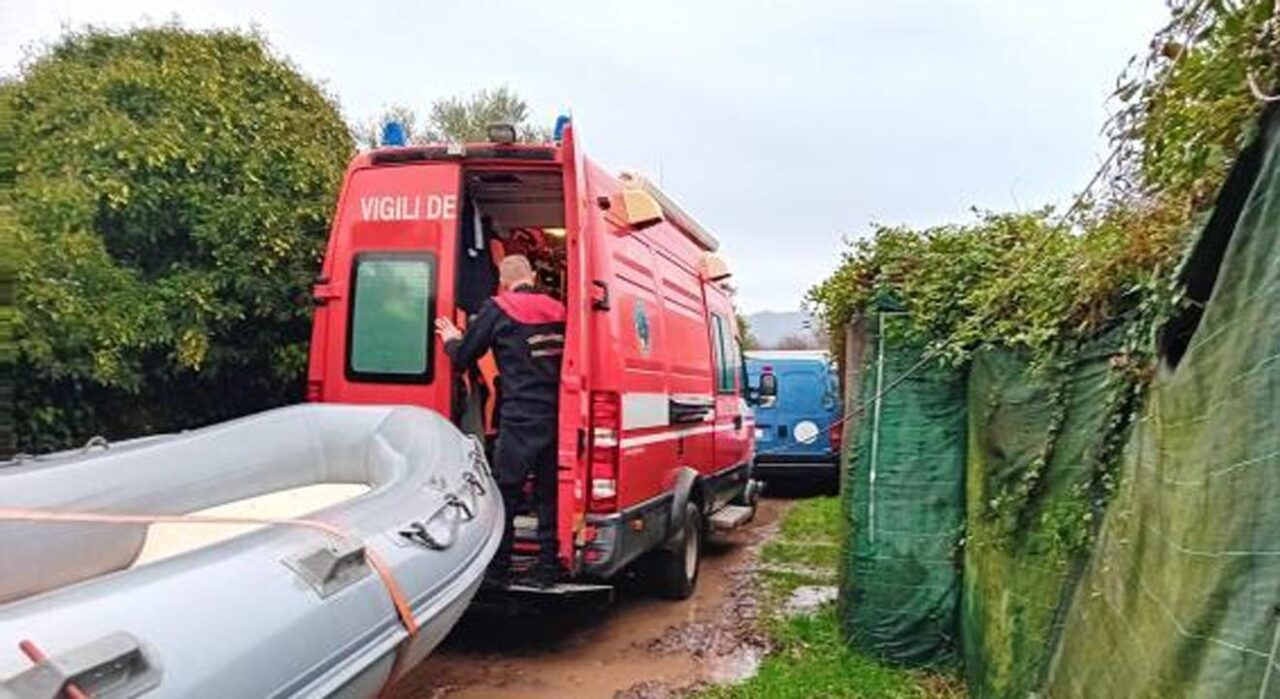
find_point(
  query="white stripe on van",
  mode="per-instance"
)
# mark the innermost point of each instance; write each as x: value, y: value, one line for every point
x: 644, y: 410
x: 673, y: 435
x: 641, y: 410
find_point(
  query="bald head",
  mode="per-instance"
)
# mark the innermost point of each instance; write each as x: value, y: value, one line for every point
x: 514, y: 271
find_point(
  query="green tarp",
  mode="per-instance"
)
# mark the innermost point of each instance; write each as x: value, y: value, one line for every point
x: 1034, y: 442
x: 901, y: 581
x: 1182, y: 595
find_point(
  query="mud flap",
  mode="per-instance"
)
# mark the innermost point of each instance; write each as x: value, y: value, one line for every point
x: 686, y: 480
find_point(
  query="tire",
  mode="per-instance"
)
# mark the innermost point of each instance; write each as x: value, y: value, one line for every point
x: 675, y: 566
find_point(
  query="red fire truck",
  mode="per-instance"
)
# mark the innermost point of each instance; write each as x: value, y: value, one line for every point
x: 656, y: 437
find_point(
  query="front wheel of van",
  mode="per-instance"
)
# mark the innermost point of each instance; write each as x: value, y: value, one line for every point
x: 675, y: 569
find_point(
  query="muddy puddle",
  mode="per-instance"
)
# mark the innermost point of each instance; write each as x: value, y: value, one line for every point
x: 807, y: 598
x: 638, y: 647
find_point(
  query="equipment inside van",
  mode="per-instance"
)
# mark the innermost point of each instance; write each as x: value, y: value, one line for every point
x: 798, y: 415
x: 655, y: 438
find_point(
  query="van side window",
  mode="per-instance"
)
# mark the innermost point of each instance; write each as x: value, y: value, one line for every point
x: 725, y: 349
x: 392, y: 309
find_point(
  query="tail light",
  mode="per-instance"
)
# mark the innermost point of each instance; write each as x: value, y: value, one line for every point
x: 606, y: 423
x: 315, y: 391
x: 835, y: 434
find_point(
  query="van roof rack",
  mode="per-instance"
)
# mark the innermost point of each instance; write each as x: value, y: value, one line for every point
x: 674, y: 213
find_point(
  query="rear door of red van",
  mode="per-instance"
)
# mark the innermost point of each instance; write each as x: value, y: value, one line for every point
x: 387, y: 275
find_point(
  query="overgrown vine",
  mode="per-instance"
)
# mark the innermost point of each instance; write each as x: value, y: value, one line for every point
x: 1042, y: 284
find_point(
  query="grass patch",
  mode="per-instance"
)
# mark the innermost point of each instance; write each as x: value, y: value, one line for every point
x: 810, y: 659
x: 825, y: 557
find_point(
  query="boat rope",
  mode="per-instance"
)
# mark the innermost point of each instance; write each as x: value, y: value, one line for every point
x: 379, y: 565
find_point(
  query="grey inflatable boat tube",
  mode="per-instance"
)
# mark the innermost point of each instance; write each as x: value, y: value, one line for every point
x: 126, y: 610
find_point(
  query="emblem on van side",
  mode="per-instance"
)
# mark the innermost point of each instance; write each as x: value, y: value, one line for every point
x: 641, y: 321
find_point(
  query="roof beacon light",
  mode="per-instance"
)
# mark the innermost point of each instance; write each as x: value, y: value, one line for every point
x: 393, y: 134
x: 502, y: 133
x: 562, y: 121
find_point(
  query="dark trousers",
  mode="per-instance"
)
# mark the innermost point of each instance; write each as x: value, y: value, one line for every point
x: 523, y: 450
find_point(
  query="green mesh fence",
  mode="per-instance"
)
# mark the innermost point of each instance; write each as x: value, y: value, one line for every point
x: 1034, y: 437
x: 1180, y: 598
x: 901, y: 582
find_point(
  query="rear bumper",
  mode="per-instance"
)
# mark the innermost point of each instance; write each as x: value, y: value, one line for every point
x: 771, y: 466
x: 621, y: 538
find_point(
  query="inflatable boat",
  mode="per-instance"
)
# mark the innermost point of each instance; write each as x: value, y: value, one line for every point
x: 314, y: 550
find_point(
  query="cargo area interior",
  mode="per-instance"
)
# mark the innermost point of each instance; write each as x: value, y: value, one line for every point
x: 505, y: 212
x: 511, y: 212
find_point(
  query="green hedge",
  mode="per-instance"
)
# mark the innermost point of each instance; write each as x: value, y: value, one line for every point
x: 171, y: 197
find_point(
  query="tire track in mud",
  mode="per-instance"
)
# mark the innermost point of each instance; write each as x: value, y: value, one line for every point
x: 640, y: 647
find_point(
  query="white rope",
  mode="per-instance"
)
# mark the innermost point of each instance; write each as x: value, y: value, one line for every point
x: 1271, y: 659
x: 875, y: 434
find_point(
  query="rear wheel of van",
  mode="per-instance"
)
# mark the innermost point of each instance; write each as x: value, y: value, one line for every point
x: 675, y: 566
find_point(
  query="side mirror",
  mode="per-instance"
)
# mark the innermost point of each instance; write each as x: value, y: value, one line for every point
x: 767, y: 393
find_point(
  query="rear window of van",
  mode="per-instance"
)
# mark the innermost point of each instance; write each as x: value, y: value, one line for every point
x: 392, y: 311
x: 800, y: 389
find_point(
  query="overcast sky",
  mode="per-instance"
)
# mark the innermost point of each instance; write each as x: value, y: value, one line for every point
x: 782, y: 127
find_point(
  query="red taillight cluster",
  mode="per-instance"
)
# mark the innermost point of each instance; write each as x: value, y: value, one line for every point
x: 606, y: 432
x: 315, y: 391
x: 835, y: 434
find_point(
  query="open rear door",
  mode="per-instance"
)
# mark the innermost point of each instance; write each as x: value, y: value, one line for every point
x: 574, y: 385
x: 388, y: 274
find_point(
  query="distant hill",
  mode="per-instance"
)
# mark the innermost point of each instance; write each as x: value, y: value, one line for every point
x: 770, y: 328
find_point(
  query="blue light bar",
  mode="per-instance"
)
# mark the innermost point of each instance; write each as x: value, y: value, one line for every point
x: 393, y: 134
x: 561, y: 122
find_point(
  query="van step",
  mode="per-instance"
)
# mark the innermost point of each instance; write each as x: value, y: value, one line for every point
x: 732, y: 517
x: 561, y: 589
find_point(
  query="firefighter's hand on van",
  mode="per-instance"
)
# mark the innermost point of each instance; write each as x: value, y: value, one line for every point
x: 447, y: 330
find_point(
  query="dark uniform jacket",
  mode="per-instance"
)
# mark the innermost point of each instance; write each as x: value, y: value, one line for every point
x: 525, y: 330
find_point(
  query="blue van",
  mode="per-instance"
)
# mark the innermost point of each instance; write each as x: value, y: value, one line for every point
x: 798, y: 409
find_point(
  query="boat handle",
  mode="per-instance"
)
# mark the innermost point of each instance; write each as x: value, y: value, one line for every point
x: 418, y: 533
x: 474, y: 481
x: 116, y: 665
x: 95, y: 442
x: 468, y: 511
x: 478, y: 459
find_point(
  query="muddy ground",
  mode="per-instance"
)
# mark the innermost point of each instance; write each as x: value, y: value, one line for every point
x: 638, y: 647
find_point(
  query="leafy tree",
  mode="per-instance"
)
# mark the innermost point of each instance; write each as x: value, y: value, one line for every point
x: 459, y: 118
x: 7, y: 442
x: 171, y: 198
x: 467, y: 118
x: 1187, y: 107
x: 796, y: 341
x: 369, y: 134
x: 1041, y: 281
x: 747, y: 338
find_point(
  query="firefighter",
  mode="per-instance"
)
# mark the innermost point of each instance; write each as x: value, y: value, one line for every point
x: 525, y: 330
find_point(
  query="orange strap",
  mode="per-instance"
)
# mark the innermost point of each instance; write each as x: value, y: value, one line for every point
x: 398, y: 599
x: 37, y: 656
